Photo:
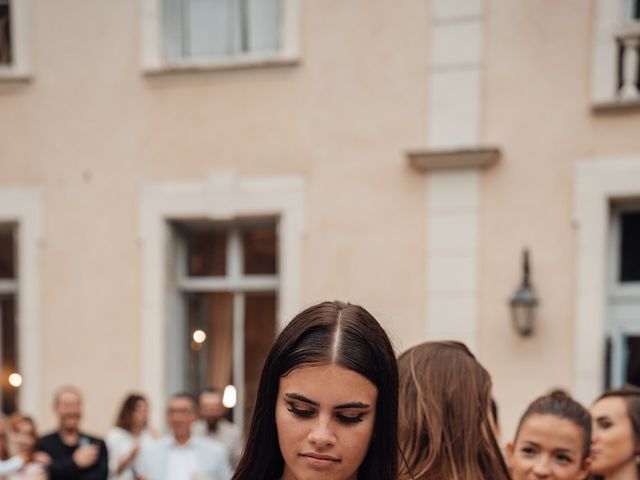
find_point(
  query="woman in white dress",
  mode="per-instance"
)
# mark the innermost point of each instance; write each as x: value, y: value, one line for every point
x: 128, y: 437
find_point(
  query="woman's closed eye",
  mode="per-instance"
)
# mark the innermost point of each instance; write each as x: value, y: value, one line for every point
x: 350, y: 418
x: 300, y: 411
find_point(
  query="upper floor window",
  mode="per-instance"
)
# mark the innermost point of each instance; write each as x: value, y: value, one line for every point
x: 616, y: 54
x: 212, y: 29
x: 5, y: 32
x: 14, y: 48
x: 209, y: 34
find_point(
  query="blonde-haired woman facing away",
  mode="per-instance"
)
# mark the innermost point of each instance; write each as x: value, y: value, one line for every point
x: 445, y: 424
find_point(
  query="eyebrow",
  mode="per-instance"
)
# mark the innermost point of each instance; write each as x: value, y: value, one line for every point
x: 343, y: 406
x: 557, y: 450
x: 359, y: 405
x: 603, y: 417
x: 300, y: 398
x: 564, y: 450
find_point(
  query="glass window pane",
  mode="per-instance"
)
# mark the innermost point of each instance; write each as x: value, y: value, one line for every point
x: 5, y: 33
x: 259, y: 246
x: 607, y: 363
x: 172, y: 29
x: 210, y: 356
x: 264, y: 25
x: 212, y: 28
x: 633, y: 360
x: 7, y: 254
x: 206, y: 253
x: 260, y: 332
x: 630, y: 247
x: 9, y: 353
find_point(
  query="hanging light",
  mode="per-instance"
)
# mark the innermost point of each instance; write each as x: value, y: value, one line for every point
x: 199, y: 336
x: 230, y: 396
x: 523, y: 302
x: 15, y: 380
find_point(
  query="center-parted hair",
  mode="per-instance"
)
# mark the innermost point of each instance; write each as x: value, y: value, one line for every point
x: 444, y: 420
x: 559, y: 404
x: 327, y: 333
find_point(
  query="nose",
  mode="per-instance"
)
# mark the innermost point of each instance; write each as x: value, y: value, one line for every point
x: 321, y: 434
x: 541, y: 468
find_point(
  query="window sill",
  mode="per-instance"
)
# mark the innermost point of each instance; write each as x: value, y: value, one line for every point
x: 446, y: 159
x: 624, y: 293
x: 10, y: 75
x: 237, y: 63
x: 616, y: 105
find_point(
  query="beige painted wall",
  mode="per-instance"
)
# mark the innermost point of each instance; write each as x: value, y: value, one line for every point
x: 90, y: 130
x: 537, y: 109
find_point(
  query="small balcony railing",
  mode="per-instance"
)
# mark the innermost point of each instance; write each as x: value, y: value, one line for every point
x: 628, y: 38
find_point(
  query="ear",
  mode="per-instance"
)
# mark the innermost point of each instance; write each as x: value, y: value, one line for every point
x: 584, y: 469
x: 508, y: 451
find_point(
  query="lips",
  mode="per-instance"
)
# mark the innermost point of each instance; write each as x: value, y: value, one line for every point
x: 319, y: 460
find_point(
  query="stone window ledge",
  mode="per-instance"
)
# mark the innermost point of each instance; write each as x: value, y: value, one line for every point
x: 441, y: 159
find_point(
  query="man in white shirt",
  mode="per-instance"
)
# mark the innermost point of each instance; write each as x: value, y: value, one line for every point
x: 213, y: 424
x: 180, y: 456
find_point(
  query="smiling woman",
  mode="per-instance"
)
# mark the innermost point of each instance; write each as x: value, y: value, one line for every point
x: 327, y: 401
x: 552, y: 440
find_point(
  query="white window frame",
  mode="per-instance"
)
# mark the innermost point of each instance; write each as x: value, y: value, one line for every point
x: 154, y: 60
x: 623, y: 303
x: 618, y: 289
x: 236, y: 283
x: 598, y: 183
x: 22, y: 207
x: 20, y: 69
x: 612, y: 18
x: 221, y: 197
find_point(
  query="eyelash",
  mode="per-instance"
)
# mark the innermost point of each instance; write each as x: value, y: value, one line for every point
x: 308, y: 413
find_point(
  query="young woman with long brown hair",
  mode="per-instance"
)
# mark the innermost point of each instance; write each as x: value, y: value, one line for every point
x: 129, y: 435
x: 445, y: 422
x: 327, y: 402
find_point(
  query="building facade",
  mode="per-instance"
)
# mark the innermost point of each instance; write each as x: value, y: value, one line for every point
x: 179, y: 177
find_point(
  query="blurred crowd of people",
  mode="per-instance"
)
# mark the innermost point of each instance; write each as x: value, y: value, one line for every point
x: 201, y: 443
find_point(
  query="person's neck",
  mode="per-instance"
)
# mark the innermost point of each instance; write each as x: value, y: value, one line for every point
x: 212, y: 425
x: 629, y: 471
x: 182, y: 439
x: 69, y: 436
x: 136, y: 431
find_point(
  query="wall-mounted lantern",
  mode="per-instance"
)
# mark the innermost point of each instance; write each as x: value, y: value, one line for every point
x: 523, y: 302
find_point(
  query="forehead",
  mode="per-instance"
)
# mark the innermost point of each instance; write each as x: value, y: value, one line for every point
x: 552, y: 432
x: 613, y: 407
x: 210, y: 397
x: 68, y: 396
x: 180, y: 403
x: 24, y: 426
x: 329, y: 385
